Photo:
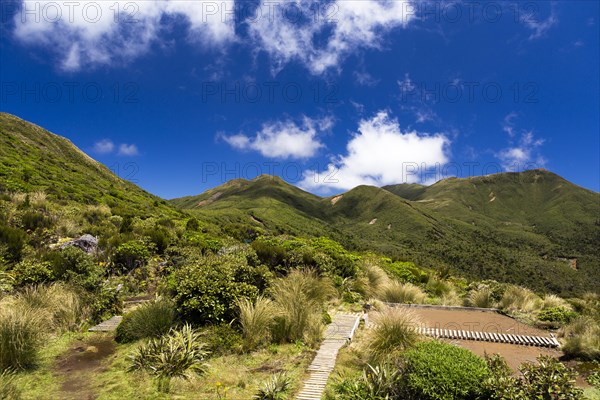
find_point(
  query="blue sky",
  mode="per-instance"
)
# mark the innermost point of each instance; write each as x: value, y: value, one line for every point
x: 180, y: 96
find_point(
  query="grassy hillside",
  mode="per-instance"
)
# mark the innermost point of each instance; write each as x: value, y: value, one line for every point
x: 33, y: 159
x: 527, y: 228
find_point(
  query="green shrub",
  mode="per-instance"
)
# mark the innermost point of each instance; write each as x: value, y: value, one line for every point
x: 435, y: 370
x: 13, y: 241
x: 29, y: 272
x: 33, y: 220
x: 275, y: 389
x: 159, y: 237
x: 222, y: 339
x: 151, y: 319
x: 407, y: 272
x: 396, y: 292
x: 131, y: 255
x: 103, y: 302
x: 192, y: 224
x: 395, y: 330
x: 21, y: 335
x: 548, y: 379
x: 74, y: 265
x: 560, y: 315
x: 172, y: 356
x: 256, y: 320
x: 207, y: 289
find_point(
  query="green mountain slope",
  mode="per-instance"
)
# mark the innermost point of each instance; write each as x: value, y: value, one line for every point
x: 33, y: 159
x: 529, y: 228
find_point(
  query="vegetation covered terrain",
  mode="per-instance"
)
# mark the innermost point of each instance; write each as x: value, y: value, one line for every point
x: 226, y: 294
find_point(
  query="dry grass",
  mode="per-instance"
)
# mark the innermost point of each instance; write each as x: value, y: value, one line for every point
x: 582, y: 338
x: 407, y: 293
x: 481, y: 298
x: 519, y: 299
x: 395, y: 329
x: 257, y: 320
x: 553, y: 301
x: 37, y: 199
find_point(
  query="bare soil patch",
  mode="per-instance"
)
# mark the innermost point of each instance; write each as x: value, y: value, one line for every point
x: 80, y: 363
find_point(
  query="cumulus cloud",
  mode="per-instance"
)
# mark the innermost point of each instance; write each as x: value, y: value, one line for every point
x: 284, y: 139
x: 104, y: 146
x: 128, y: 150
x: 522, y: 155
x: 326, y: 36
x: 380, y: 153
x: 89, y: 33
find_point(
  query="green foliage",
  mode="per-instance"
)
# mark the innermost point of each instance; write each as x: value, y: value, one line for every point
x: 131, y: 255
x: 222, y: 339
x: 13, y: 241
x: 549, y: 379
x: 395, y: 330
x: 379, y: 382
x: 172, y: 356
x: 256, y: 320
x: 74, y: 265
x: 594, y: 378
x: 103, y: 302
x: 206, y: 290
x: 192, y: 224
x: 275, y: 389
x: 582, y: 338
x: 435, y: 370
x: 482, y: 298
x: 561, y: 315
x: 29, y: 272
x: 33, y: 220
x: 407, y: 272
x: 151, y: 319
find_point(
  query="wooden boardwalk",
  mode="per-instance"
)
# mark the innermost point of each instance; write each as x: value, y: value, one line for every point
x: 539, y: 341
x: 109, y: 325
x: 338, y: 333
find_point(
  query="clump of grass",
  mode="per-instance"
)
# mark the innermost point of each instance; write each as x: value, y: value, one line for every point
x: 22, y: 331
x: 407, y: 293
x: 582, y: 338
x: 60, y: 305
x: 519, y: 299
x: 553, y: 301
x: 375, y: 278
x: 172, y: 356
x: 299, y: 299
x: 396, y: 329
x: 275, y: 389
x: 438, y: 287
x: 37, y: 199
x: 450, y: 299
x: 151, y: 319
x: 8, y: 389
x: 482, y: 298
x: 257, y: 321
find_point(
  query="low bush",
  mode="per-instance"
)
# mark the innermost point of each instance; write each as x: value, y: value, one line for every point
x: 28, y: 272
x: 582, y: 338
x: 131, y: 255
x: 74, y: 265
x: 434, y: 370
x: 407, y: 293
x: 222, y: 339
x: 560, y: 315
x: 275, y: 389
x: 151, y: 319
x: 376, y: 383
x: 13, y: 241
x: 395, y: 330
x: 171, y: 356
x: 407, y: 272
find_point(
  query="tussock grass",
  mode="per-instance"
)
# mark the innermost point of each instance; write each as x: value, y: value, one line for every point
x: 407, y: 293
x: 375, y: 278
x: 37, y: 199
x: 257, y: 320
x: 299, y: 299
x: 451, y: 299
x: 582, y: 338
x: 8, y: 388
x: 553, y: 301
x: 22, y: 331
x: 519, y: 299
x: 61, y: 306
x: 396, y: 329
x: 151, y: 319
x: 482, y: 298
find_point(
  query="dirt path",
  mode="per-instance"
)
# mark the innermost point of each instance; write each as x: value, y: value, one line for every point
x: 77, y: 367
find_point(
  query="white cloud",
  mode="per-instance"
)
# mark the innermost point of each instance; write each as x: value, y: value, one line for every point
x: 90, y: 33
x: 104, y: 146
x: 128, y: 150
x: 539, y: 28
x: 380, y: 154
x: 335, y: 30
x: 284, y: 139
x: 509, y: 125
x: 523, y: 155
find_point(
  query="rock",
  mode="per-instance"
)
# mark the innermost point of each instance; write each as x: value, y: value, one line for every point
x: 91, y: 349
x: 87, y: 243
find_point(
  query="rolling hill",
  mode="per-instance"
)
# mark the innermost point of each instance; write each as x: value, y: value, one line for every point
x: 532, y: 228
